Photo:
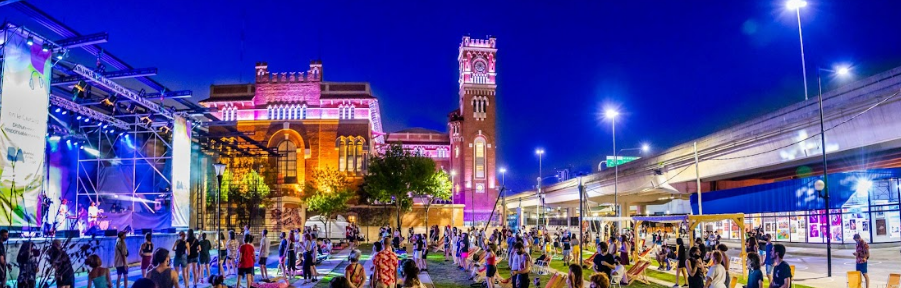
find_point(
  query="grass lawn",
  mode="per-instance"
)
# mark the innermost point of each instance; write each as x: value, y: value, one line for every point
x: 666, y: 276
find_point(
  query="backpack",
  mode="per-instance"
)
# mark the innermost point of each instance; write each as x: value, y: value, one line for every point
x: 354, y: 276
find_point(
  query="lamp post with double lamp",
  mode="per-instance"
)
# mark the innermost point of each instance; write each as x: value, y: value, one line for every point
x: 797, y: 5
x: 612, y: 114
x: 220, y: 168
x: 540, y: 204
x: 822, y: 186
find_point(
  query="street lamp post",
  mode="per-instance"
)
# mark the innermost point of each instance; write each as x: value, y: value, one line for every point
x: 797, y: 5
x: 611, y: 114
x: 503, y: 196
x: 540, y: 204
x: 823, y: 186
x: 220, y: 168
x: 453, y: 196
x: 581, y: 219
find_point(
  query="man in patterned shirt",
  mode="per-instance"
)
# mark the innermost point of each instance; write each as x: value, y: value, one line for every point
x: 385, y: 264
x: 862, y: 253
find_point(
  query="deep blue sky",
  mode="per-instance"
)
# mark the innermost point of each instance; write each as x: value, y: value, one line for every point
x: 678, y: 70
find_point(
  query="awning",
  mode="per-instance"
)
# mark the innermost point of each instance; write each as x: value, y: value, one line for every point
x: 662, y: 219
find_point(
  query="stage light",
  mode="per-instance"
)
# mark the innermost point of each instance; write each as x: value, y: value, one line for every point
x: 105, y: 125
x: 30, y: 40
x: 45, y: 47
x: 68, y: 141
x: 57, y: 110
x: 78, y: 118
x: 86, y: 120
x: 54, y: 138
x: 64, y: 112
x: 59, y: 56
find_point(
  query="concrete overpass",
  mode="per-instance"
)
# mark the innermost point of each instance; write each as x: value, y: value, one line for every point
x: 863, y: 130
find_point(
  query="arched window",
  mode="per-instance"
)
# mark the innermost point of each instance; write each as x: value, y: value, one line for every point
x: 303, y: 111
x: 358, y: 154
x: 351, y: 113
x: 479, y: 159
x: 269, y: 112
x: 342, y: 154
x: 287, y: 164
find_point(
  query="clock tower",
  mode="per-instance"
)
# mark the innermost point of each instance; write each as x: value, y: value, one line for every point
x: 472, y: 131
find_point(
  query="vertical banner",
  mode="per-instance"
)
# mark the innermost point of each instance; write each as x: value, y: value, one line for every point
x: 181, y: 172
x: 24, y: 97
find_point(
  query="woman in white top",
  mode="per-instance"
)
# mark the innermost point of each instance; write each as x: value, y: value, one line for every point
x: 716, y: 274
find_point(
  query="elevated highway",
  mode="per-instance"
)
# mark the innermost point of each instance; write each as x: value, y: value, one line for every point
x: 863, y: 130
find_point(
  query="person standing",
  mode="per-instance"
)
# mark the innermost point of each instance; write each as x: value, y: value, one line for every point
x: 181, y: 258
x: 146, y: 251
x: 385, y: 265
x: 354, y: 271
x: 306, y: 247
x: 245, y: 264
x: 490, y: 264
x: 755, y: 276
x: 98, y: 276
x: 204, y: 258
x: 782, y: 272
x: 161, y: 274
x: 193, y: 256
x: 520, y: 266
x: 264, y: 254
x: 231, y: 248
x: 121, y: 260
x: 62, y: 265
x: 695, y: 268
x: 604, y: 261
x: 28, y: 265
x: 291, y: 256
x: 4, y: 235
x: 862, y: 254
x: 716, y: 274
x: 768, y: 258
x: 681, y: 256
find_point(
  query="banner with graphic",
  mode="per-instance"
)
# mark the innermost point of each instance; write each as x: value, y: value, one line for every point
x: 181, y: 172
x: 24, y: 97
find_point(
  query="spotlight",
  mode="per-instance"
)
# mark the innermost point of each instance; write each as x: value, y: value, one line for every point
x: 109, y: 101
x: 57, y: 110
x: 86, y: 120
x: 105, y: 125
x: 78, y: 118
x: 30, y: 40
x: 45, y: 47
x: 59, y: 56
x: 64, y: 112
x: 68, y: 141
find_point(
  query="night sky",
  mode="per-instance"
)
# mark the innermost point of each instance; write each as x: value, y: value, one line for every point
x: 677, y: 70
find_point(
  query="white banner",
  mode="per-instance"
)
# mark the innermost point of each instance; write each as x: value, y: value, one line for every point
x: 24, y: 97
x: 181, y: 172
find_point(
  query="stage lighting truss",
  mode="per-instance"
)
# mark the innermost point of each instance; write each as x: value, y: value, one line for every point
x: 86, y: 112
x: 99, y: 79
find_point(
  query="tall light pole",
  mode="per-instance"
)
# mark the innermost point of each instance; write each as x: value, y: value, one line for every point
x: 453, y: 198
x: 220, y: 168
x: 612, y: 114
x: 540, y: 203
x: 823, y: 186
x: 797, y: 5
x: 503, y: 196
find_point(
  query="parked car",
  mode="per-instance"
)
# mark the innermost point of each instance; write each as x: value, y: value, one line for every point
x: 335, y: 226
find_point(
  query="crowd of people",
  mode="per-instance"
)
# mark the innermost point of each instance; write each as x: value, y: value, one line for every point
x: 476, y: 251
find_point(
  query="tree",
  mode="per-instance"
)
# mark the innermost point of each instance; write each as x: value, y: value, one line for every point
x: 327, y: 193
x: 435, y: 186
x: 388, y: 179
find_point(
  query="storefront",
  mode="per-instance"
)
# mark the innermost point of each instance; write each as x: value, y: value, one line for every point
x: 865, y: 203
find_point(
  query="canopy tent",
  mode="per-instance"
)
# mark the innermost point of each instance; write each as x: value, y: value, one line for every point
x: 603, y: 221
x: 738, y: 218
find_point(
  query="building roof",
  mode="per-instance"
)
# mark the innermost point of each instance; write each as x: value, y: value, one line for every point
x: 418, y: 130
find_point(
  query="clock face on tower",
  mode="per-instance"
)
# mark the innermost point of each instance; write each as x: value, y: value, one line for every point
x: 480, y: 66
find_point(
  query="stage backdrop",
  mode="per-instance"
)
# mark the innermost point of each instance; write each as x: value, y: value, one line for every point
x: 181, y: 172
x: 23, y: 127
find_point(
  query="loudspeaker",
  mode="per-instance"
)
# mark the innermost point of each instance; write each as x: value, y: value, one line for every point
x: 65, y: 234
x: 110, y: 232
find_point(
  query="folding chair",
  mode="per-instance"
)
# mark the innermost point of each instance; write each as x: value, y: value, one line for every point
x: 894, y: 281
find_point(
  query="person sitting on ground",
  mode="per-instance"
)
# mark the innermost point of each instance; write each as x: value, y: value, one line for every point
x: 411, y: 275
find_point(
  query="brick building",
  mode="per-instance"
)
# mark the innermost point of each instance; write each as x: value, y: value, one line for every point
x: 313, y: 123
